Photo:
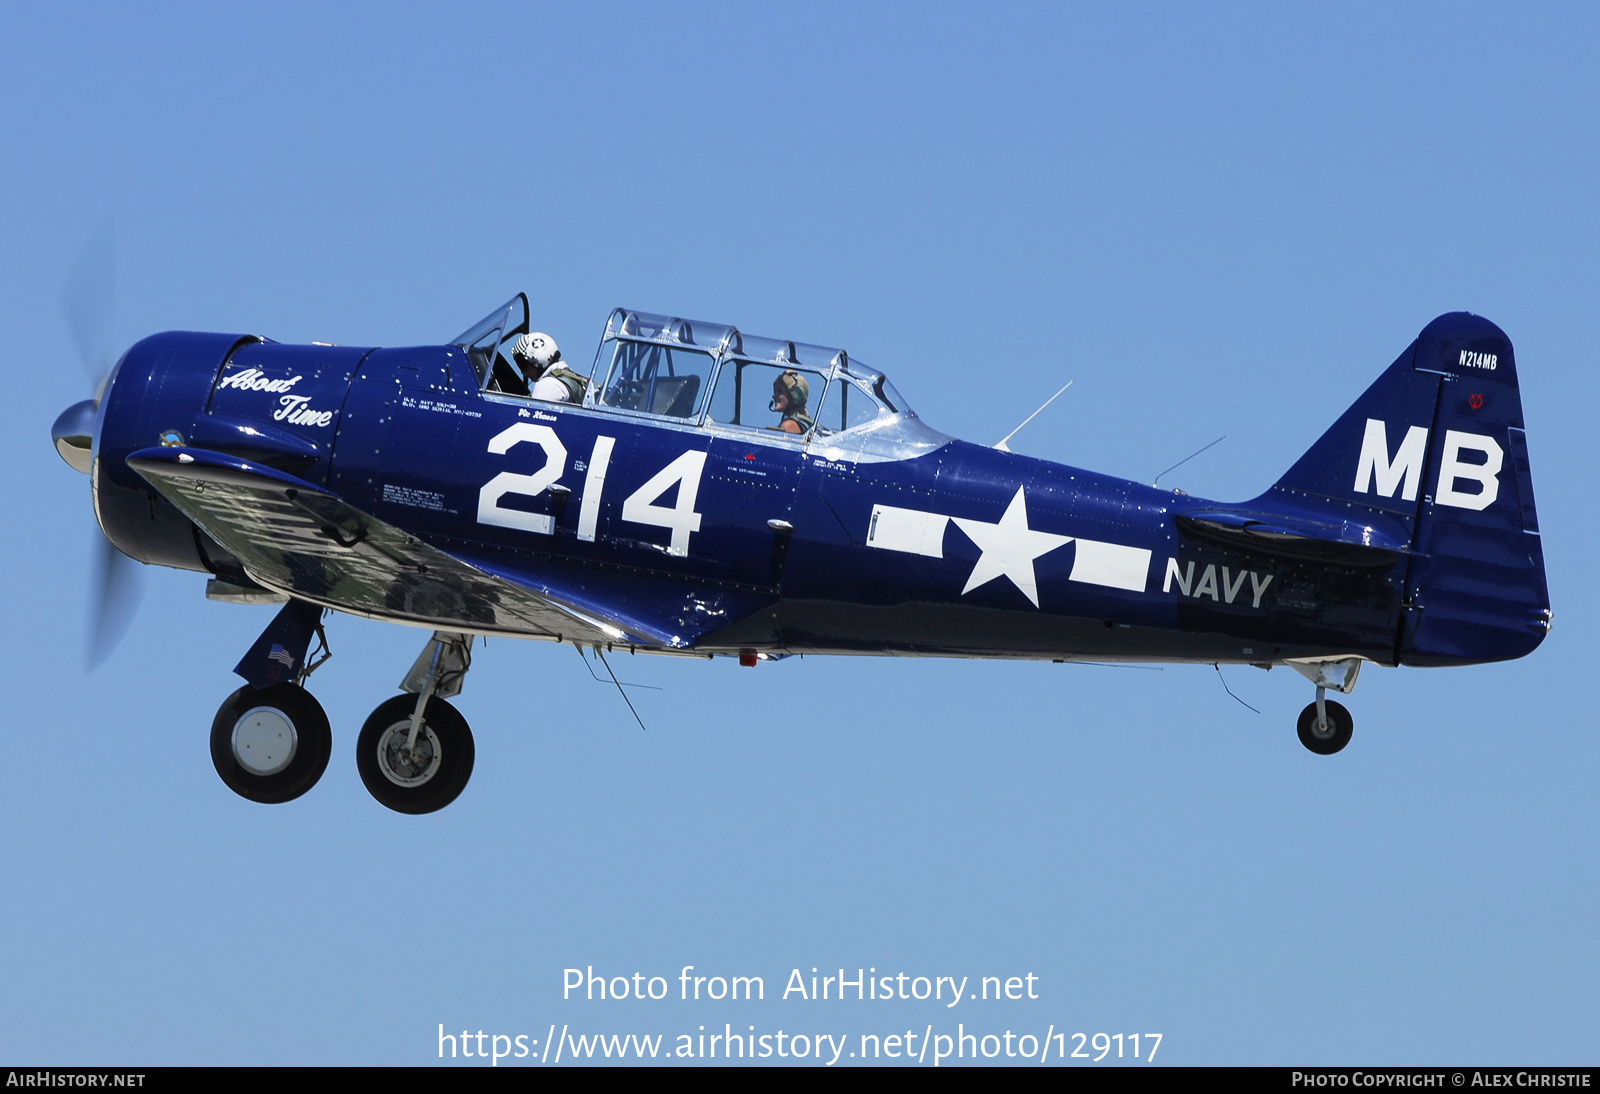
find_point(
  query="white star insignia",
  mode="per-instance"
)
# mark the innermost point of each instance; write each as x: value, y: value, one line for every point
x: 1009, y: 548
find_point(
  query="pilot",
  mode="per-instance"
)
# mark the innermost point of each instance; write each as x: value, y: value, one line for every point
x: 539, y: 358
x: 789, y: 394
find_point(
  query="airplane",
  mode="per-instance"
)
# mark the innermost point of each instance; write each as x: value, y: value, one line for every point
x: 673, y: 511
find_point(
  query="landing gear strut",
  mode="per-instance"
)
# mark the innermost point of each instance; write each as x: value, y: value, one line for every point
x: 1326, y: 726
x: 416, y: 755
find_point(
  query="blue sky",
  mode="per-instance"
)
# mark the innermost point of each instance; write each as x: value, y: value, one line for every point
x: 1220, y: 220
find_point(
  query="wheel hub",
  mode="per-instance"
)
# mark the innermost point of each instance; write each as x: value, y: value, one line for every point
x: 408, y: 766
x: 264, y: 741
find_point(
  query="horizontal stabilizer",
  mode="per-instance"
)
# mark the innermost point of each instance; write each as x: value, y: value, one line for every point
x: 1373, y: 541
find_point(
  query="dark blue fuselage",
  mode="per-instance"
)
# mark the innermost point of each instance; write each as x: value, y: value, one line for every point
x: 890, y: 539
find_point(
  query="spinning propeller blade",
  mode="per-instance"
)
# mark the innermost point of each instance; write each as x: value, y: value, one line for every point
x: 88, y: 303
x: 118, y: 587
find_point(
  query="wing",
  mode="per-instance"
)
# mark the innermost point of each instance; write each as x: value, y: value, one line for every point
x: 302, y: 540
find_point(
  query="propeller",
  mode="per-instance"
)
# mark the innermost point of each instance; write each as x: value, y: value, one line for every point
x: 88, y: 301
x: 118, y: 588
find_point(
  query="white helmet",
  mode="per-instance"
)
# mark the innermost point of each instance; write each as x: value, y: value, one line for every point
x: 536, y: 352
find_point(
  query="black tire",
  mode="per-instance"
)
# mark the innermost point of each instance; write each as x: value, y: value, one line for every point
x: 427, y: 782
x: 1326, y: 744
x: 251, y: 728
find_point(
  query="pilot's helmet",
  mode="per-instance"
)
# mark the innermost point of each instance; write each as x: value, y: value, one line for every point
x: 536, y: 352
x: 794, y: 385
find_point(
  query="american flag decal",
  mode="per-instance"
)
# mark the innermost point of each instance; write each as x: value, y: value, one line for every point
x: 282, y: 656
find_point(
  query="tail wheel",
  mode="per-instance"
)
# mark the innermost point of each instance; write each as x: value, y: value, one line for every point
x: 1326, y: 739
x: 271, y: 744
x: 421, y: 777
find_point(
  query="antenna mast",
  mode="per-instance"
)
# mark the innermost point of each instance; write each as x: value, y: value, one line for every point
x: 1002, y: 446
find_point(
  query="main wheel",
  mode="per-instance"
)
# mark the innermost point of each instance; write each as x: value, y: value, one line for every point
x: 271, y: 744
x: 429, y: 775
x: 1325, y: 741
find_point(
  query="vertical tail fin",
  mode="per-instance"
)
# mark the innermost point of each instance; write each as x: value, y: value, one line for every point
x: 1438, y: 444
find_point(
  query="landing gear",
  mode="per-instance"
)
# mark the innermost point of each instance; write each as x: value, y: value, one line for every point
x: 1325, y: 726
x: 271, y: 744
x: 1325, y: 732
x: 270, y: 741
x: 415, y: 768
x: 415, y: 754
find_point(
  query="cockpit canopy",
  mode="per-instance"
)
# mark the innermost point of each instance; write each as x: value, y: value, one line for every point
x: 694, y: 372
